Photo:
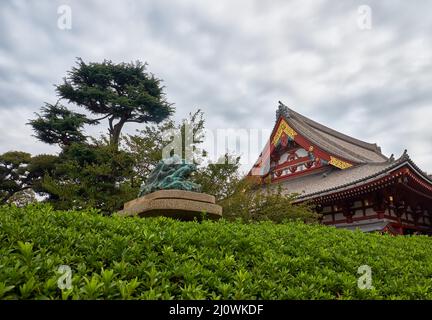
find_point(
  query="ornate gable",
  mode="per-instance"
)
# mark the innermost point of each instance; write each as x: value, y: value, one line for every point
x: 292, y: 154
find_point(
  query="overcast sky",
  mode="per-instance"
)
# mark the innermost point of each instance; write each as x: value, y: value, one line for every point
x: 235, y: 60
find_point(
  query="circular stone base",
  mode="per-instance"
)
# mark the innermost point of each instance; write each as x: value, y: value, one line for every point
x: 179, y: 204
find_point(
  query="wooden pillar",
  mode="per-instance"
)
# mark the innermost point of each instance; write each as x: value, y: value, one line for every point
x: 380, y: 204
x: 347, y: 211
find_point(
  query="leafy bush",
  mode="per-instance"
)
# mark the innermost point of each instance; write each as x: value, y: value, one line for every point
x: 218, y: 178
x: 21, y: 175
x: 93, y: 175
x: 160, y: 258
x: 252, y: 202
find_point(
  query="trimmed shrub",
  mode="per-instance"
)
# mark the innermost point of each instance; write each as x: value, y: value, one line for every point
x: 161, y: 258
x: 252, y: 202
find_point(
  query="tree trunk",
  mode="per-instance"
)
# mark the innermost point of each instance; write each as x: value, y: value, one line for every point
x: 115, y: 133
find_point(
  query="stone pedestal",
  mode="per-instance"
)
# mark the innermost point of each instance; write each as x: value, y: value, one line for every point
x: 179, y: 204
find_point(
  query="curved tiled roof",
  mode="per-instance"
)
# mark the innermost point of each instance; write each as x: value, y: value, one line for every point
x: 332, y: 141
x: 335, y: 180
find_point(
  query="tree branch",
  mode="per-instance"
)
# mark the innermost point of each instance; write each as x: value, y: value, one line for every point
x: 137, y: 121
x: 104, y: 117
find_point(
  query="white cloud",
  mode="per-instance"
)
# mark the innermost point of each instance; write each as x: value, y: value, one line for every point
x: 235, y: 60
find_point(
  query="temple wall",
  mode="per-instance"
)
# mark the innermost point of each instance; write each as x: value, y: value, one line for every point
x: 327, y: 209
x: 365, y: 217
x: 327, y: 218
x: 358, y: 204
x: 358, y: 213
x: 370, y: 212
x: 339, y: 216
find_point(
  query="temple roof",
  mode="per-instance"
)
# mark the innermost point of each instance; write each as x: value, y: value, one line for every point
x: 330, y: 140
x: 367, y: 163
x: 335, y: 180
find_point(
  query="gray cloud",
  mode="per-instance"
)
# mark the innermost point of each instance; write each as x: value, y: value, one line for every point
x: 235, y: 60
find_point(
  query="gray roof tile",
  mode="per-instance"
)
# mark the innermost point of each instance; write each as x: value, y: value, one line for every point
x: 332, y: 141
x: 334, y: 180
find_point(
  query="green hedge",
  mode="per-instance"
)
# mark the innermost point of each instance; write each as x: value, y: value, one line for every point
x: 159, y: 258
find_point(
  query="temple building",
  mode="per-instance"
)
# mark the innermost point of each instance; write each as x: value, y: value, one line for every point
x: 349, y: 181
